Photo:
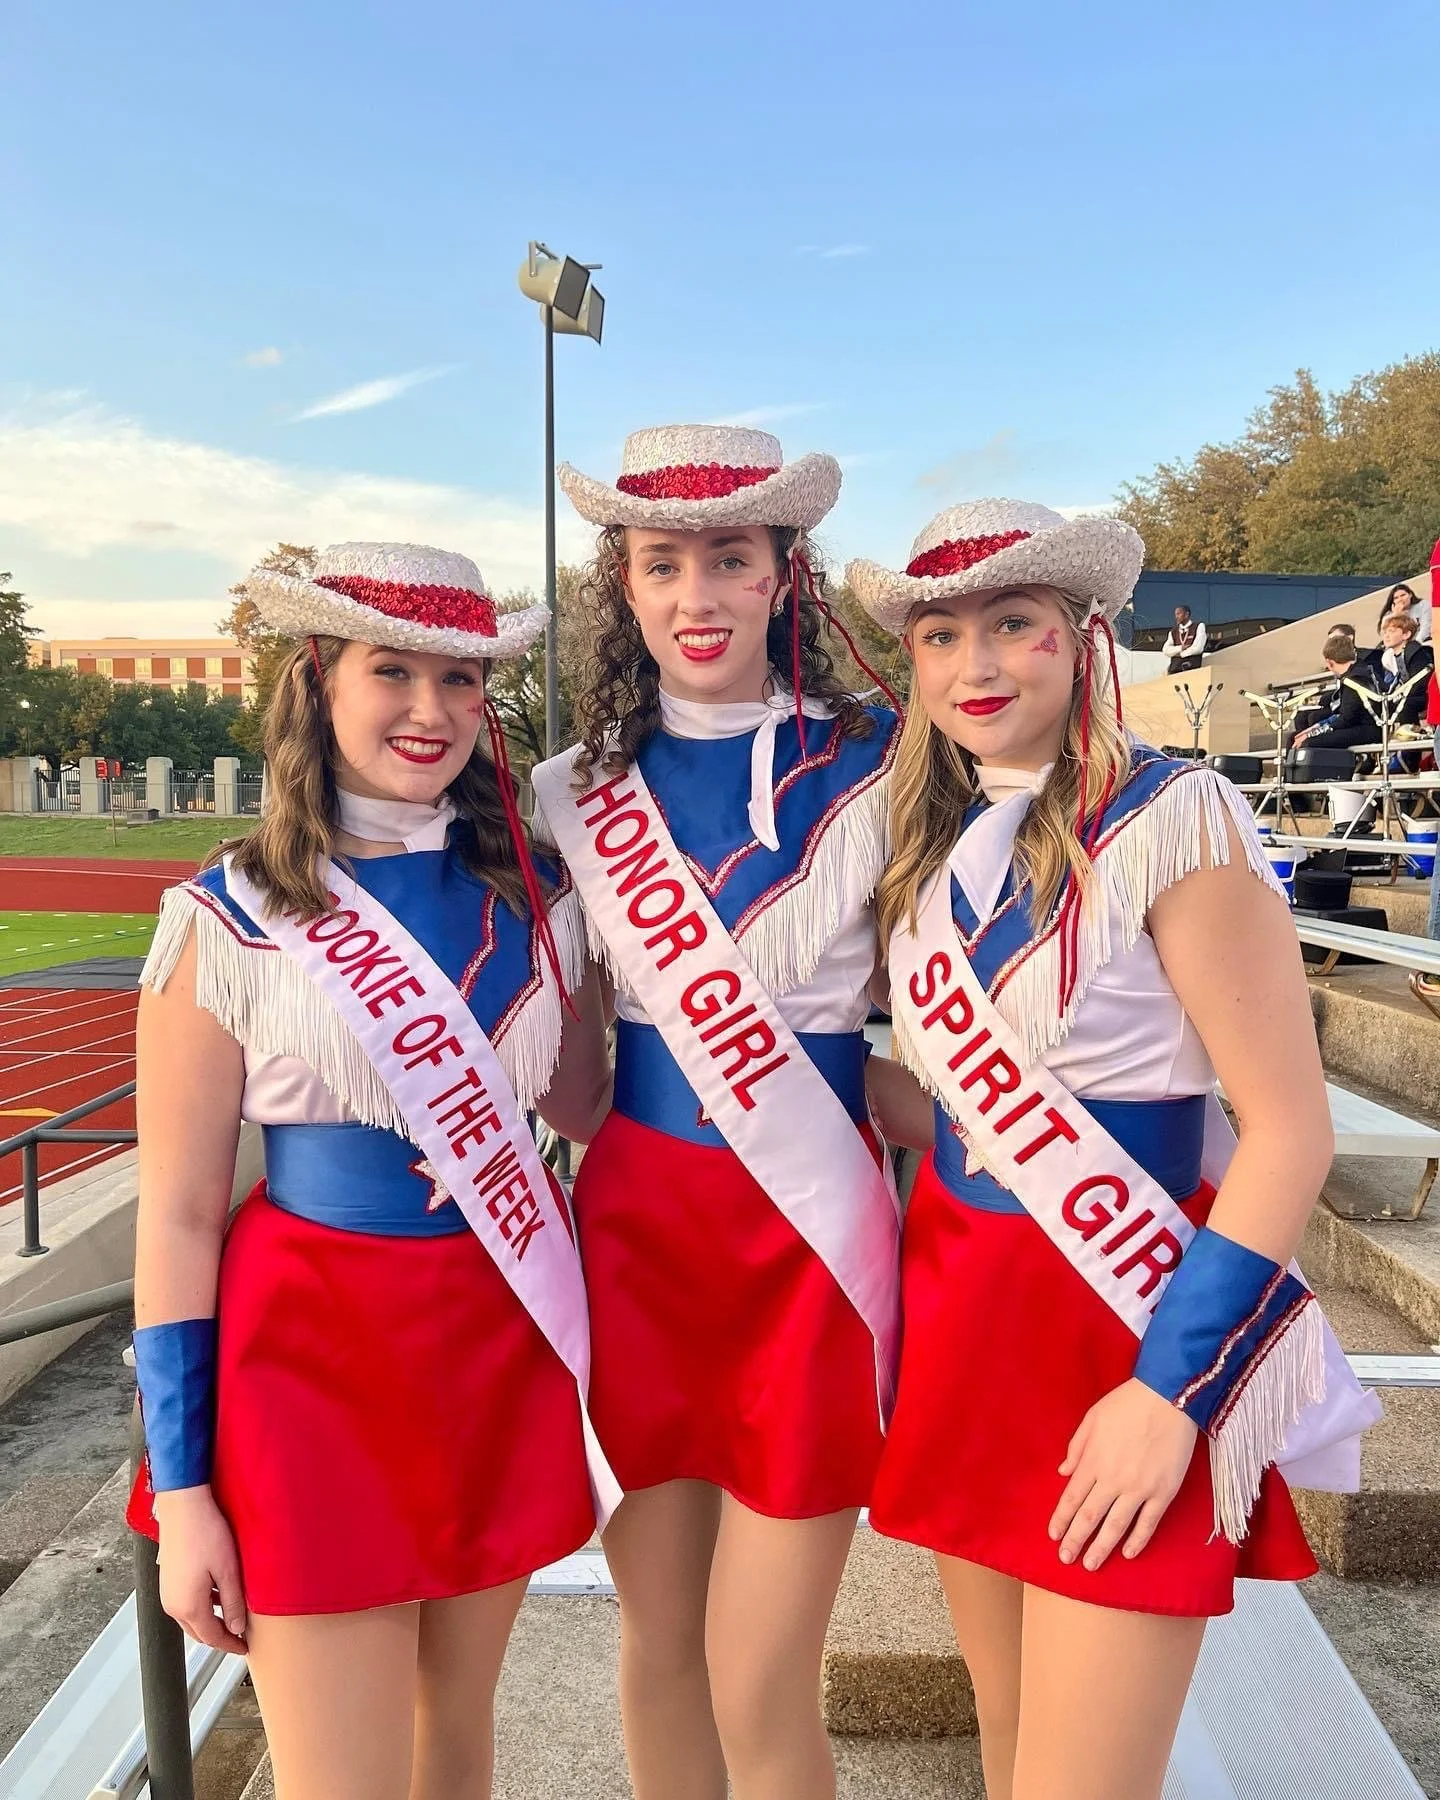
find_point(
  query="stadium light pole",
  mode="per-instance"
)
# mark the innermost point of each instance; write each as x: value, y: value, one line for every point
x: 571, y: 305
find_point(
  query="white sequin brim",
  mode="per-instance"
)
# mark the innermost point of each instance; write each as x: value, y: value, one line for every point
x: 301, y: 609
x: 798, y: 495
x: 1098, y: 560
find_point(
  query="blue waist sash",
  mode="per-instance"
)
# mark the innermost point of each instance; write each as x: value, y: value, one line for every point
x: 353, y: 1178
x: 651, y: 1090
x: 1166, y: 1138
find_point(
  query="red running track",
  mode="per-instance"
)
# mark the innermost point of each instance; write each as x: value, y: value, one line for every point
x: 58, y: 1048
x: 64, y: 884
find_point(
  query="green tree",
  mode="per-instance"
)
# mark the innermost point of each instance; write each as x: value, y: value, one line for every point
x: 13, y: 650
x: 517, y: 688
x: 1341, y: 484
x: 268, y: 648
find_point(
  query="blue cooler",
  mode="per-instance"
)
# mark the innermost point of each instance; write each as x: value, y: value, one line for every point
x: 1282, y: 862
x: 1421, y: 834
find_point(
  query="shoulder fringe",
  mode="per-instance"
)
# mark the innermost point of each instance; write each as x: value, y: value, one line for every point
x: 529, y: 1046
x: 1289, y: 1377
x: 1171, y: 836
x: 261, y: 997
x: 787, y: 939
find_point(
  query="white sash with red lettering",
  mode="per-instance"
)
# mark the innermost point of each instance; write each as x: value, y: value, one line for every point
x: 722, y: 1026
x: 1112, y: 1220
x: 447, y: 1082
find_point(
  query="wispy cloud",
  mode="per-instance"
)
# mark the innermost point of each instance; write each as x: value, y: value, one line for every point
x: 1094, y: 509
x: 830, y: 252
x: 768, y: 415
x: 371, y: 393
x: 87, y: 482
x: 859, y: 459
x: 268, y: 358
x: 987, y: 463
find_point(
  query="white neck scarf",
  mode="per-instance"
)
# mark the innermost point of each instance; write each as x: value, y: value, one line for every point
x: 407, y: 822
x: 981, y: 859
x: 733, y: 718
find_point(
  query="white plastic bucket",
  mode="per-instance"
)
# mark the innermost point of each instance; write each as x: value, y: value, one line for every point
x: 1422, y: 834
x: 1282, y: 863
x: 1264, y: 830
x: 1346, y: 803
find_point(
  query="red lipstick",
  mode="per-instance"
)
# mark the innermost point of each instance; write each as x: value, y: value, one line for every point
x: 435, y: 750
x: 983, y: 709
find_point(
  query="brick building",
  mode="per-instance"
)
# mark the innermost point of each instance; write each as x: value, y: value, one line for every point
x: 216, y: 663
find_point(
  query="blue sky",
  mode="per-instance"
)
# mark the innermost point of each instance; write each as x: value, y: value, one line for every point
x: 970, y: 249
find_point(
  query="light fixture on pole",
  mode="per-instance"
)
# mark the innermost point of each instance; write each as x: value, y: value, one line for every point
x: 569, y: 304
x: 25, y: 708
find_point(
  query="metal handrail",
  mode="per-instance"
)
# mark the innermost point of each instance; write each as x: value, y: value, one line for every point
x: 57, y: 1131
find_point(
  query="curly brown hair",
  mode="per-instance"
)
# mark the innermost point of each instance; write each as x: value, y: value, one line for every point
x: 283, y: 856
x: 618, y: 705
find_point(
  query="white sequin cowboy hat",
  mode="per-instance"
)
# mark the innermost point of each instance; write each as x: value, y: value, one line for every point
x: 405, y: 596
x: 693, y: 477
x: 1004, y: 543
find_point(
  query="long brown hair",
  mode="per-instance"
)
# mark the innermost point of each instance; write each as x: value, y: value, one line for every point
x: 933, y: 784
x: 618, y: 706
x: 286, y: 851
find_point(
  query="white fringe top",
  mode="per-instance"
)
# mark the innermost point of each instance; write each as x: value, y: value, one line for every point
x: 303, y: 1065
x: 814, y: 948
x: 1125, y: 1035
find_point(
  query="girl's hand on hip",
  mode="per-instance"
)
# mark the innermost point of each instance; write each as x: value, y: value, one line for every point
x: 1125, y: 1465
x: 199, y: 1565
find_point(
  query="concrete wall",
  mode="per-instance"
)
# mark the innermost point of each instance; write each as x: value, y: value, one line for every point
x: 1154, y: 711
x: 17, y: 783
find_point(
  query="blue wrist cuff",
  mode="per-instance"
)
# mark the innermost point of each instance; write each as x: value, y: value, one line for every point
x: 1225, y: 1309
x: 175, y: 1367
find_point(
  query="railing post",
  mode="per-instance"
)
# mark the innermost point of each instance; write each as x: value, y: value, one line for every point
x: 30, y: 1199
x: 164, y: 1692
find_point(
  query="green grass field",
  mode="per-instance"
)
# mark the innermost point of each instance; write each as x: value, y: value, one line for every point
x: 167, y: 840
x: 40, y: 940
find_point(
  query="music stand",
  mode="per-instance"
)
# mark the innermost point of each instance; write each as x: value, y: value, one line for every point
x: 1279, y: 710
x: 1197, y: 711
x: 1384, y: 709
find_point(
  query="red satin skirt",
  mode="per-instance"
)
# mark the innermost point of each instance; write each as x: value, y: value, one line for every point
x: 1006, y: 1349
x: 722, y: 1349
x: 391, y: 1425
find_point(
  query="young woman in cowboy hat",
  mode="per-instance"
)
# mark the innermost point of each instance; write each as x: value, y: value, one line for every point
x: 1104, y: 1355
x: 723, y: 819
x: 380, y: 1436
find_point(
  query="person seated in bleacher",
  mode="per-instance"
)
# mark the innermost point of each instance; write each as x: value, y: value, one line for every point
x: 1395, y: 660
x: 1402, y: 601
x: 1399, y: 655
x: 1347, y: 720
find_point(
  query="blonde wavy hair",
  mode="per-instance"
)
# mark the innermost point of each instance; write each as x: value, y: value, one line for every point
x: 284, y: 854
x: 933, y: 784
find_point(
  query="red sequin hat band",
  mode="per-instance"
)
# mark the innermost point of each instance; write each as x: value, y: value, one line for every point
x: 691, y: 481
x: 446, y: 608
x: 959, y: 554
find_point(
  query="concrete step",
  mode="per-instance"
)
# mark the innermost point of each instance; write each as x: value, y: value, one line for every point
x: 1390, y: 1529
x: 61, y: 1437
x: 558, y: 1723
x: 55, y: 1609
x: 891, y: 1667
x: 1404, y: 904
x: 1372, y: 1030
